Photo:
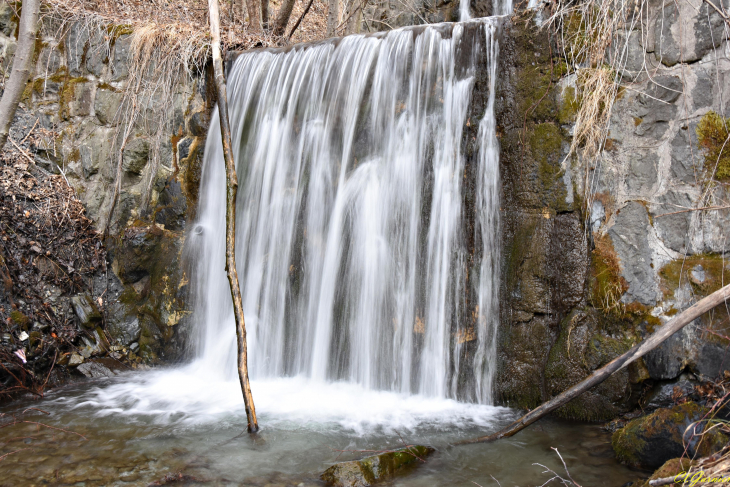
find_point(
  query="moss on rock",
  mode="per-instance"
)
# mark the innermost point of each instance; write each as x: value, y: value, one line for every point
x: 651, y: 440
x: 374, y: 469
x: 712, y: 133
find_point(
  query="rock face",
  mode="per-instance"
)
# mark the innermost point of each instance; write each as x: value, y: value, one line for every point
x: 589, y: 271
x: 375, y: 469
x: 665, y: 434
x: 78, y: 94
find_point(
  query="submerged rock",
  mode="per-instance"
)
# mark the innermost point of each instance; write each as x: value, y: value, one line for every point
x: 651, y: 440
x: 374, y: 469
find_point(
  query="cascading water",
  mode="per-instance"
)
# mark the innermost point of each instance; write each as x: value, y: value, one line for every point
x: 353, y: 247
x: 367, y: 240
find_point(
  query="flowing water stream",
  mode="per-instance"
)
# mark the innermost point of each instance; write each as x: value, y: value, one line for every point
x: 367, y: 245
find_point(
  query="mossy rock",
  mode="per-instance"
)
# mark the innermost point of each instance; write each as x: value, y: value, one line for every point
x: 374, y: 469
x: 651, y: 440
x: 712, y: 133
x: 670, y: 468
x: 582, y: 347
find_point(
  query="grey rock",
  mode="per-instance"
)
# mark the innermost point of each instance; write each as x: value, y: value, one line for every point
x: 698, y: 275
x: 656, y: 106
x: 97, y: 55
x: 643, y: 172
x: 670, y: 358
x: 87, y: 310
x: 173, y: 205
x: 629, y: 235
x: 671, y: 48
x: 119, y: 67
x: 663, y: 393
x: 76, y: 42
x: 100, y: 368
x: 136, y: 155
x: 702, y: 94
x: 80, y: 104
x: 598, y: 214
x: 183, y: 148
x: 198, y: 124
x: 683, y: 156
x: 568, y: 253
x: 634, y: 55
x: 374, y: 469
x: 708, y: 34
x: 123, y: 324
x: 75, y: 359
x: 87, y: 161
x: 673, y: 230
x: 712, y: 360
x: 106, y: 105
x: 49, y: 61
x: 8, y: 20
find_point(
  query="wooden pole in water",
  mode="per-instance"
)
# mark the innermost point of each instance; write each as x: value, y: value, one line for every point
x: 637, y: 351
x: 231, y: 191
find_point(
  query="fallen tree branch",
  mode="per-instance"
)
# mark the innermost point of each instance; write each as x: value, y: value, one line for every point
x: 637, y: 351
x: 231, y: 191
x: 299, y: 20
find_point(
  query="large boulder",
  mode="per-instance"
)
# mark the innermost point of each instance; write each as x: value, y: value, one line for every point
x: 375, y: 469
x: 651, y: 440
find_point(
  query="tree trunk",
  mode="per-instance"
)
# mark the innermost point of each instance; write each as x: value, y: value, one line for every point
x: 21, y: 67
x: 265, y: 14
x: 636, y: 352
x: 254, y: 14
x: 333, y: 17
x: 231, y: 190
x: 282, y: 17
x: 299, y: 20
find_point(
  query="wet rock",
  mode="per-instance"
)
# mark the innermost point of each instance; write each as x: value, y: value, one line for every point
x: 375, y: 469
x: 651, y: 440
x: 87, y: 310
x: 581, y: 348
x: 629, y: 235
x: 123, y: 324
x: 198, y: 124
x: 672, y: 356
x: 98, y: 368
x: 76, y: 359
x: 136, y: 155
x: 663, y: 394
x: 106, y: 104
x: 173, y: 206
x: 669, y: 469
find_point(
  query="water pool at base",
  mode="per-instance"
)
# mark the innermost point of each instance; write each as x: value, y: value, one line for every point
x: 140, y: 427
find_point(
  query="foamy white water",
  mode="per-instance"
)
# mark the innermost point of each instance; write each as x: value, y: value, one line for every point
x: 189, y: 396
x: 370, y: 300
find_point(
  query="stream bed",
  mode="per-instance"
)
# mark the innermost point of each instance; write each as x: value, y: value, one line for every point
x: 140, y: 427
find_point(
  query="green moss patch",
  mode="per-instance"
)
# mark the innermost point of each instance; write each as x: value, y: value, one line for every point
x: 712, y: 133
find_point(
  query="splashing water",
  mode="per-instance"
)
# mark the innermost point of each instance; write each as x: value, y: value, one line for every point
x: 367, y: 234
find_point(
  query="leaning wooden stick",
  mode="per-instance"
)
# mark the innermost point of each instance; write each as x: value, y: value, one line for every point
x: 672, y: 326
x: 231, y: 190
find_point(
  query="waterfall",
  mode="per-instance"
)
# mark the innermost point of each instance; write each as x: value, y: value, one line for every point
x: 367, y: 232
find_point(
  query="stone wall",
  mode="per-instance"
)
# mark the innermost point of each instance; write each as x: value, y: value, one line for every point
x: 600, y: 253
x: 82, y: 94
